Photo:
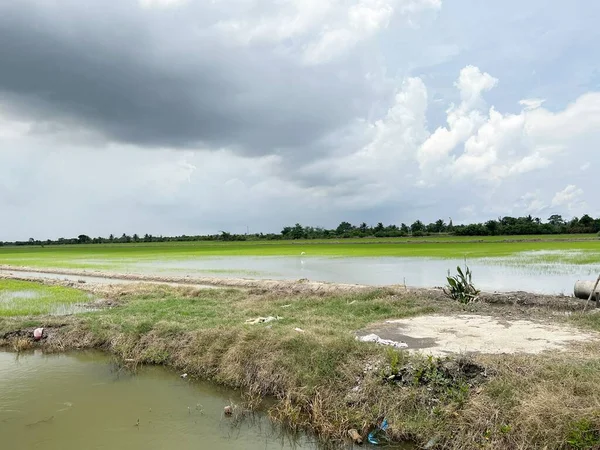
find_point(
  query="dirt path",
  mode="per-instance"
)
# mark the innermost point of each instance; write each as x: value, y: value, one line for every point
x: 100, y: 277
x: 442, y: 335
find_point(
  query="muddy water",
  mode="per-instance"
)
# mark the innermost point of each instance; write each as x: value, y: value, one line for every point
x: 490, y: 275
x: 526, y: 272
x: 80, y: 401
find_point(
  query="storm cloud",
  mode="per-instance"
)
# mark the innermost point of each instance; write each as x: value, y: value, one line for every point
x: 171, y: 78
x: 183, y: 116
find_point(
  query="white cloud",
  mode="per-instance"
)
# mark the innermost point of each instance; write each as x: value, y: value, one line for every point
x: 472, y: 83
x: 320, y: 31
x: 493, y: 146
x: 531, y: 203
x: 490, y: 155
x: 462, y: 121
x: 161, y: 3
x: 568, y: 196
x: 531, y: 103
x: 386, y: 155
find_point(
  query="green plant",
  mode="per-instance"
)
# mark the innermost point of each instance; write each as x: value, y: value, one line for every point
x: 396, y: 358
x: 583, y: 435
x: 460, y: 287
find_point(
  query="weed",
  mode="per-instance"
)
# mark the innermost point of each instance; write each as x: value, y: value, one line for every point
x: 460, y: 287
x: 21, y: 344
x: 395, y: 358
x: 583, y: 435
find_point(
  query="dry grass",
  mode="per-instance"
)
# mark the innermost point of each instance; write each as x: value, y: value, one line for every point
x: 326, y: 382
x: 21, y: 344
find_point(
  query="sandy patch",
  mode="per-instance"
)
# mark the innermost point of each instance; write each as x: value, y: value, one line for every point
x: 443, y: 335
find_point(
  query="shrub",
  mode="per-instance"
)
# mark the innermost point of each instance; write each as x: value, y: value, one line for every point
x: 460, y: 287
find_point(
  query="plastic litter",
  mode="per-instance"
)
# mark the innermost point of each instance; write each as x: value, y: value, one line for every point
x: 378, y: 340
x: 372, y: 437
x: 38, y: 333
x: 262, y: 320
x: 431, y: 443
x: 299, y: 330
x: 355, y: 436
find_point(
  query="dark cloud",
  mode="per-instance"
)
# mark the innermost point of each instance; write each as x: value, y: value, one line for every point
x: 166, y: 78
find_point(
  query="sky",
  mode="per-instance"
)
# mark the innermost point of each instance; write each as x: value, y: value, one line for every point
x: 191, y: 117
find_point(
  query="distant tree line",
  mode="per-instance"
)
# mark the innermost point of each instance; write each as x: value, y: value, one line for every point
x: 504, y: 226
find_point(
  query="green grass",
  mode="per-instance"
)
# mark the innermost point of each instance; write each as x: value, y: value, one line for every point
x: 230, y: 307
x: 115, y: 256
x: 22, y: 298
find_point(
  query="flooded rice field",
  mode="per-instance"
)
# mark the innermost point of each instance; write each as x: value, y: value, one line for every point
x: 82, y: 401
x: 543, y: 272
x: 532, y: 273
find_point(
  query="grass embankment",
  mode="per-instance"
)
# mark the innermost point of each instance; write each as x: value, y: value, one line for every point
x: 327, y: 382
x: 111, y: 256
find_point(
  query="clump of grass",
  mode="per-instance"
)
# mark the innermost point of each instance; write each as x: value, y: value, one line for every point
x: 584, y: 434
x: 460, y: 287
x: 21, y: 344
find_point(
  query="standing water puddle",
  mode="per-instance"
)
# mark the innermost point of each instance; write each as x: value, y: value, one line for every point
x: 81, y: 401
x: 494, y: 274
x: 544, y: 272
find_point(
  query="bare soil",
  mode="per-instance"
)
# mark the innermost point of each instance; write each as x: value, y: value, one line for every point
x: 443, y: 335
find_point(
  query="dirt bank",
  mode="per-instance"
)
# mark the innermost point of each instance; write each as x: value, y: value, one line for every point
x: 326, y: 381
x: 277, y: 285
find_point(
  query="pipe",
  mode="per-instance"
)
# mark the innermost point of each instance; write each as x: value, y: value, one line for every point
x: 583, y: 289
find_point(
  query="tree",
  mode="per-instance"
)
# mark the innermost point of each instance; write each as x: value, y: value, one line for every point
x: 417, y: 227
x: 492, y: 226
x: 586, y: 221
x: 83, y: 239
x: 344, y: 227
x: 556, y: 220
x: 440, y: 226
x: 379, y: 227
x: 297, y: 232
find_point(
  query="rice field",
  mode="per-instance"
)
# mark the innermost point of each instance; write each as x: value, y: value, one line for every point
x: 23, y: 298
x: 541, y: 264
x: 580, y: 249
